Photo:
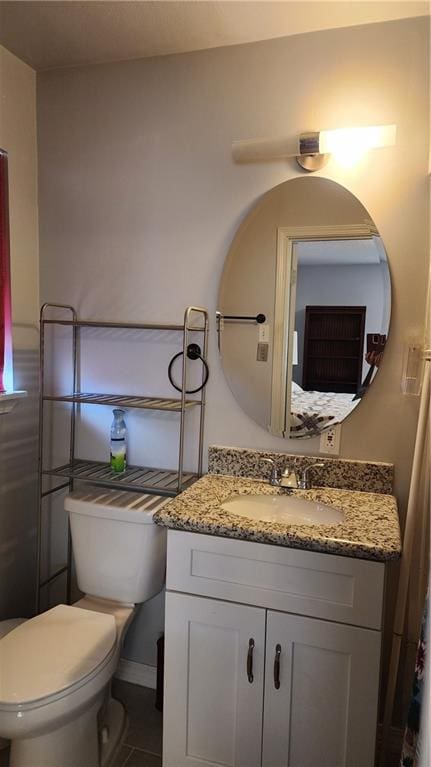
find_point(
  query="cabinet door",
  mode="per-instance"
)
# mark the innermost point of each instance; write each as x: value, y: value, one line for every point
x: 212, y: 707
x: 325, y: 709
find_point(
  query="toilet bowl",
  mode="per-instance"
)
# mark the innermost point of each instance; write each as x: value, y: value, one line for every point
x: 55, y: 669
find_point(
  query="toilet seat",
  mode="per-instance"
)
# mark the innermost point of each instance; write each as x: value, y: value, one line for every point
x: 47, y: 656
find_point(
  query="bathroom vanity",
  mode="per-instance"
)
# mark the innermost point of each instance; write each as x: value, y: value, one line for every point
x: 273, y: 651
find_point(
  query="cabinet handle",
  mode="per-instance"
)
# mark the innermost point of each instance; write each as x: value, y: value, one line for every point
x: 277, y: 666
x: 250, y: 660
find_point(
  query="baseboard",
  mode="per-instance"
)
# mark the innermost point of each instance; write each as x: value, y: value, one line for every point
x: 137, y: 673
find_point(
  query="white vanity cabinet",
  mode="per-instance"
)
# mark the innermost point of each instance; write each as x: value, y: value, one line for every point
x: 272, y: 655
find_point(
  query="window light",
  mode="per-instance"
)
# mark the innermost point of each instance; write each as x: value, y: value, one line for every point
x: 6, y: 375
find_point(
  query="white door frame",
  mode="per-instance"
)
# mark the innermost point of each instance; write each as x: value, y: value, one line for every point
x: 285, y: 304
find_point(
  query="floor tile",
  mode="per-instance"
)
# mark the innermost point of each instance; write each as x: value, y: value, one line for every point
x: 145, y: 722
x: 122, y: 757
x: 141, y: 759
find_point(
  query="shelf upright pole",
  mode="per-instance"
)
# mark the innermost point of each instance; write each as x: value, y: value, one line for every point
x: 40, y: 458
x: 183, y: 398
x: 43, y: 309
x: 203, y: 393
x: 75, y: 340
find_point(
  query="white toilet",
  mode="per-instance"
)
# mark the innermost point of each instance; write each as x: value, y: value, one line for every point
x: 55, y: 669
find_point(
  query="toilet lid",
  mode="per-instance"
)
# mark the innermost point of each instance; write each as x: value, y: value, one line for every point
x: 53, y: 651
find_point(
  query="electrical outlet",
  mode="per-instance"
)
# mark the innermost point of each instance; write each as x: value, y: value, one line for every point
x: 330, y: 440
x: 262, y: 352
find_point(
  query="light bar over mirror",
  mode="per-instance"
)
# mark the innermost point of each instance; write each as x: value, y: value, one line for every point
x: 313, y: 150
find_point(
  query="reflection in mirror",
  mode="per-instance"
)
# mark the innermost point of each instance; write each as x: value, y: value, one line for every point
x: 309, y: 259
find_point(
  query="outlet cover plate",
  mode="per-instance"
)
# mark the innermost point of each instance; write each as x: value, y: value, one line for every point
x: 264, y: 333
x: 330, y: 440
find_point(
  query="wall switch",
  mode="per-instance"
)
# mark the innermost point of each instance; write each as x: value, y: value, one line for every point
x: 264, y: 333
x: 330, y: 440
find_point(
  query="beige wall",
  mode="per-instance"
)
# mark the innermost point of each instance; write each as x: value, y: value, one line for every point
x: 18, y: 430
x: 140, y: 198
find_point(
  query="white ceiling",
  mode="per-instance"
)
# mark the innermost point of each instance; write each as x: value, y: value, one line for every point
x: 65, y: 33
x: 338, y: 253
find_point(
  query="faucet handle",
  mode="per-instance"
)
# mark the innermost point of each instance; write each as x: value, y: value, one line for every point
x: 275, y: 472
x: 304, y: 482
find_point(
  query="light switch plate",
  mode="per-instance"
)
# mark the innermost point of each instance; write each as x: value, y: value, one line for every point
x: 330, y: 440
x: 264, y: 333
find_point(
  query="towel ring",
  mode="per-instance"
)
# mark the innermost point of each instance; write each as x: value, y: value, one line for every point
x: 193, y: 353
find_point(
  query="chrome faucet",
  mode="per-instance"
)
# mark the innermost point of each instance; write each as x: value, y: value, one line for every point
x: 285, y: 479
x: 288, y: 479
x: 304, y: 482
x: 275, y: 478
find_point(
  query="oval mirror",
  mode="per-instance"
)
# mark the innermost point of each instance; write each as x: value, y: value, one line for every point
x: 304, y: 307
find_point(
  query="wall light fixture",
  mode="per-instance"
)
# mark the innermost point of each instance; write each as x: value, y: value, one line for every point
x: 346, y: 145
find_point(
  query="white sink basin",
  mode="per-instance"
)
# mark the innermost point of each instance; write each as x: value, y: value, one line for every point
x: 283, y: 509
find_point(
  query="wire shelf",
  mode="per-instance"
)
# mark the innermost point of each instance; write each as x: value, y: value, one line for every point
x: 122, y: 325
x: 132, y: 401
x: 141, y: 479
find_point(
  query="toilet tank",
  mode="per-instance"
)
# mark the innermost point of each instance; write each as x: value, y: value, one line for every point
x: 119, y: 551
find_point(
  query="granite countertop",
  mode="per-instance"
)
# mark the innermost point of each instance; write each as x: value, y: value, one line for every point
x: 370, y: 529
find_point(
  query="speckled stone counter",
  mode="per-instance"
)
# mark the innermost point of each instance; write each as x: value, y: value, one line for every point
x: 373, y: 476
x: 370, y: 529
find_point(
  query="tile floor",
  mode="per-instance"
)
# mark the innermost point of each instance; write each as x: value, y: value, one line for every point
x: 142, y: 745
x: 143, y: 742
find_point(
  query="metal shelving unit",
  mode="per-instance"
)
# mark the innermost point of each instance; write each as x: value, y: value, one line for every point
x: 138, y: 479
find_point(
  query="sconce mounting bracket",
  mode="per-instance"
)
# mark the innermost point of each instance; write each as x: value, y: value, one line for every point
x: 310, y: 156
x: 312, y: 162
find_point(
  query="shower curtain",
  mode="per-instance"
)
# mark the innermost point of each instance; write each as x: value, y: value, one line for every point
x: 412, y: 584
x: 416, y: 744
x: 416, y: 737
